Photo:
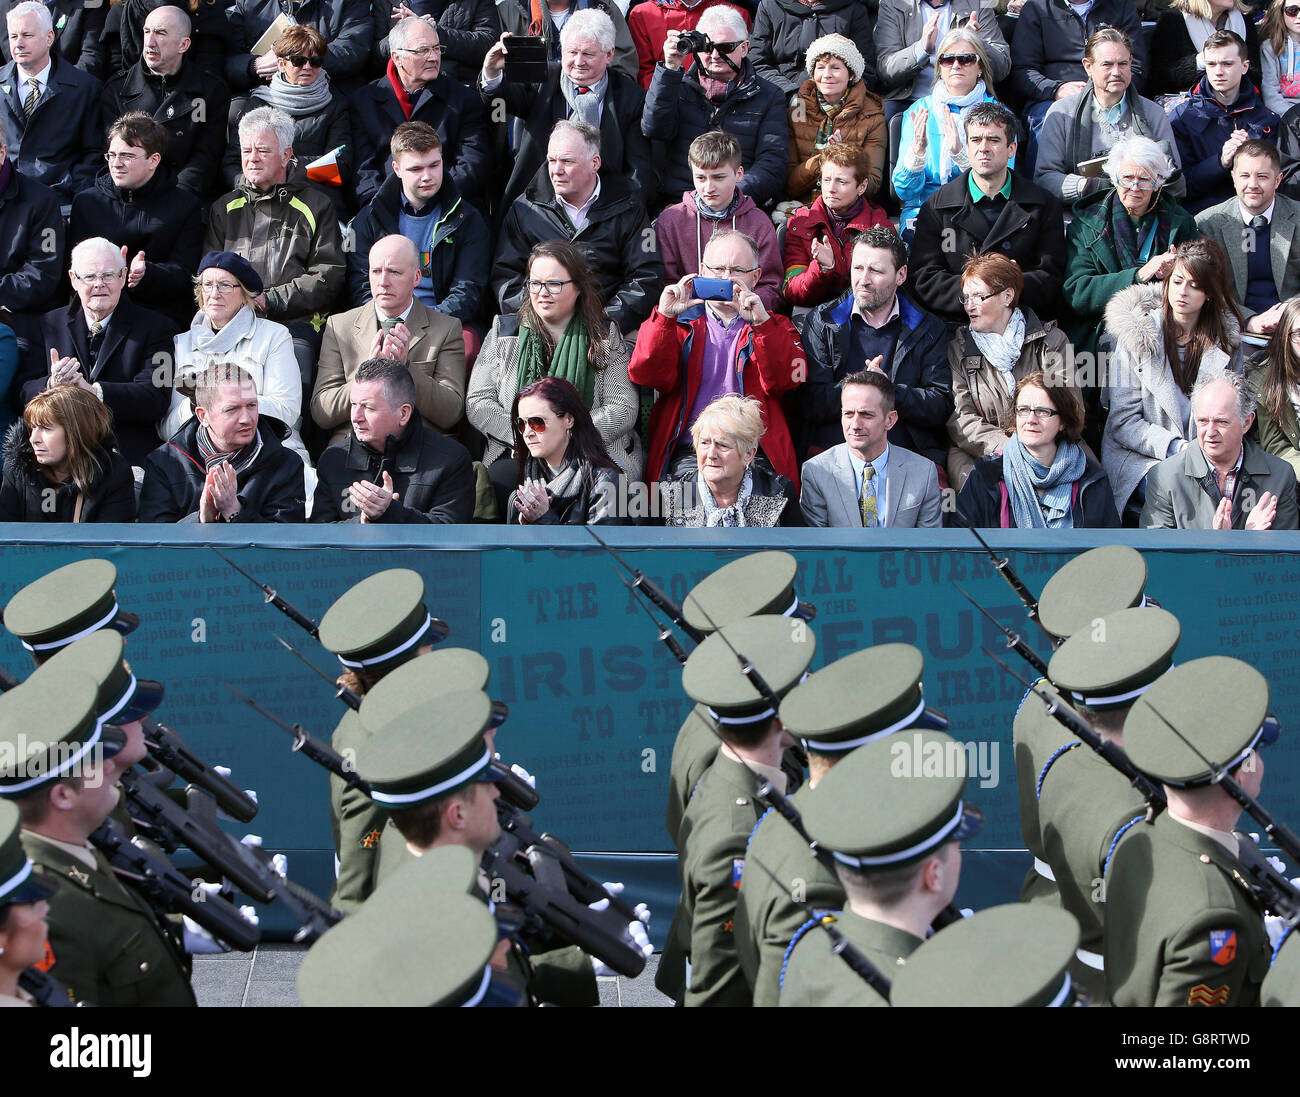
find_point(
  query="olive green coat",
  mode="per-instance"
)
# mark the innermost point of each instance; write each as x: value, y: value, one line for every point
x: 767, y: 913
x: 694, y: 749
x: 1036, y: 737
x: 1282, y: 983
x: 1168, y: 888
x: 1280, y: 437
x: 109, y: 947
x: 814, y: 976
x: 358, y: 824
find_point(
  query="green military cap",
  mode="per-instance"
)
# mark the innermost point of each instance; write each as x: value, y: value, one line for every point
x: 860, y: 698
x: 1013, y: 955
x: 760, y: 583
x: 781, y: 651
x: 379, y: 623
x: 893, y: 802
x: 419, y: 940
x: 70, y: 602
x: 1217, y: 704
x: 1092, y: 585
x: 47, y: 735
x: 425, y: 678
x: 1113, y: 661
x: 19, y: 880
x: 100, y: 656
x: 419, y: 754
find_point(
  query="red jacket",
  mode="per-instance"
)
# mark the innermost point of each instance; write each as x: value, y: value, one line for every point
x: 650, y: 21
x: 769, y: 361
x: 805, y: 281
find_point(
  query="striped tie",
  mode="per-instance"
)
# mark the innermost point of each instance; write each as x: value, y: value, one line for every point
x: 33, y: 94
x: 867, y: 501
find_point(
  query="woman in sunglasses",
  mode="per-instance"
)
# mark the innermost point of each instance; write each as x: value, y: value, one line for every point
x: 1002, y: 343
x: 301, y: 88
x: 932, y: 147
x: 561, y: 330
x: 1044, y: 478
x: 1121, y: 236
x: 563, y: 471
x: 1164, y: 336
x: 1279, y: 56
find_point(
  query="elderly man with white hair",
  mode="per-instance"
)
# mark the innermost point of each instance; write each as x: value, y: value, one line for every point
x: 721, y: 92
x: 522, y: 17
x: 107, y: 345
x: 1221, y: 481
x: 286, y: 229
x: 415, y: 89
x: 583, y: 86
x: 50, y: 108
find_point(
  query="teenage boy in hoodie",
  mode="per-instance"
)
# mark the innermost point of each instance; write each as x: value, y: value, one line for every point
x: 717, y: 203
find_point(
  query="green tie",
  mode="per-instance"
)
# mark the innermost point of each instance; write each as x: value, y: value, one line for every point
x: 870, y: 507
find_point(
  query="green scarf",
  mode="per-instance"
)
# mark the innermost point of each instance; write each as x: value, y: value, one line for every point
x: 569, y: 361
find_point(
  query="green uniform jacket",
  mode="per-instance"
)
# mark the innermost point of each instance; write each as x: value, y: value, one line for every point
x: 1092, y: 270
x: 767, y: 916
x: 814, y: 976
x: 358, y: 824
x: 1280, y: 437
x: 1083, y: 807
x: 1174, y: 900
x: 1036, y: 738
x: 109, y: 947
x: 713, y: 836
x: 1282, y: 983
x: 693, y: 752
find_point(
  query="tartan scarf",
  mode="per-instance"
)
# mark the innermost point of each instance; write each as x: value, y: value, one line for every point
x: 1119, y: 231
x: 212, y: 457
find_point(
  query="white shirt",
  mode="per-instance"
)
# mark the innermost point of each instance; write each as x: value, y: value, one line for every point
x: 90, y: 322
x: 881, y: 482
x: 41, y: 80
x: 400, y: 316
x: 863, y: 316
x: 1248, y: 217
x: 578, y: 214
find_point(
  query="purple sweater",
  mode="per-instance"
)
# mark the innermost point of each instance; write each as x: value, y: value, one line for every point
x: 683, y: 233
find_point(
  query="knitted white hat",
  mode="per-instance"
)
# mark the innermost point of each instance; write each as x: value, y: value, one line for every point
x: 837, y: 46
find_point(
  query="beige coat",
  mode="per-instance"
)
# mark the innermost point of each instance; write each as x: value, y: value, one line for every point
x: 981, y: 402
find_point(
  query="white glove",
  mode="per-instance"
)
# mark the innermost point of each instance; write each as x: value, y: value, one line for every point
x: 254, y: 840
x: 222, y: 771
x: 1278, y: 864
x: 966, y: 912
x: 612, y: 891
x: 524, y: 776
x: 1275, y: 927
x: 250, y: 793
x: 643, y: 913
x: 280, y: 863
x: 198, y: 941
x: 640, y: 938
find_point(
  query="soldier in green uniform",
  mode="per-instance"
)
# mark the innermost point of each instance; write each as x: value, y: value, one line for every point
x: 377, y: 626
x: 23, y: 906
x: 760, y: 583
x: 109, y: 947
x: 1092, y: 585
x: 1011, y: 956
x: 1084, y: 804
x: 894, y: 816
x: 699, y: 965
x: 1183, y: 926
x: 1281, y: 985
x: 420, y: 940
x: 856, y: 700
x: 70, y: 602
x: 427, y: 758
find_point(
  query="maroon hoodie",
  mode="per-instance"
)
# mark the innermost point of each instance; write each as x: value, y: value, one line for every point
x: 683, y: 233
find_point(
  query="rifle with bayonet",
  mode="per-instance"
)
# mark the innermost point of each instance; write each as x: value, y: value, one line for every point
x: 1015, y: 642
x: 276, y: 599
x: 168, y: 891
x: 644, y: 584
x: 1003, y: 566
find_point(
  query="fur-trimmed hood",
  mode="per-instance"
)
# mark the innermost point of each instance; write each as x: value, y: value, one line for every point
x: 18, y: 454
x: 1133, y: 320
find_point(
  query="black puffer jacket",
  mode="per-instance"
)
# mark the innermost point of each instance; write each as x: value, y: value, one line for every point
x: 271, y: 489
x: 27, y: 496
x: 621, y: 250
x: 784, y: 29
x: 191, y: 106
x: 159, y: 219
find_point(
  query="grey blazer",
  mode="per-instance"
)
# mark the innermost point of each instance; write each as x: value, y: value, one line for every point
x: 829, y: 495
x: 1223, y: 225
x: 1177, y: 499
x: 898, y: 29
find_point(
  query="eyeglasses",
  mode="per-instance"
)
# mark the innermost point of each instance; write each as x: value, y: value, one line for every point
x: 1294, y: 337
x: 1024, y: 412
x: 727, y: 271
x: 537, y: 423
x: 302, y: 60
x: 1291, y: 11
x: 122, y: 157
x: 221, y: 288
x: 551, y: 288
x: 1134, y: 182
x: 959, y: 59
x: 423, y: 51
x: 978, y: 298
x: 725, y: 47
x: 98, y: 277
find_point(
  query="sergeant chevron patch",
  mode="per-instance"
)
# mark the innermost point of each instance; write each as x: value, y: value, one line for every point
x: 1202, y: 995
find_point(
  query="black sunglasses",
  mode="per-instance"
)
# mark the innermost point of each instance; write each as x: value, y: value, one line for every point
x: 535, y: 421
x: 301, y: 60
x: 958, y: 59
x: 726, y: 47
x: 1291, y: 11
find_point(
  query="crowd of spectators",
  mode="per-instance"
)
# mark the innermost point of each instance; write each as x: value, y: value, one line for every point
x: 793, y: 262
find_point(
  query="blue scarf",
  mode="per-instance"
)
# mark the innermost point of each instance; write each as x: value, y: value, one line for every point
x: 1025, y: 478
